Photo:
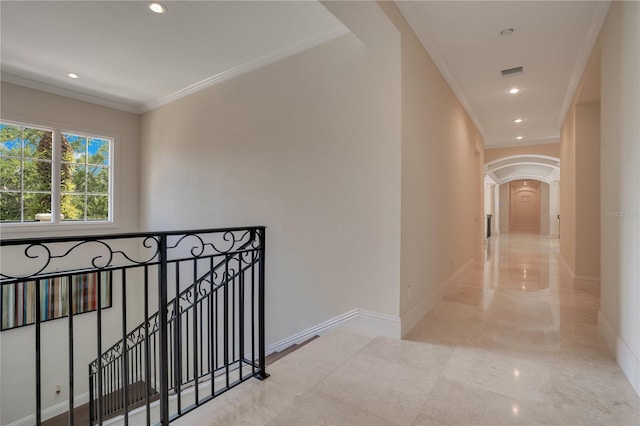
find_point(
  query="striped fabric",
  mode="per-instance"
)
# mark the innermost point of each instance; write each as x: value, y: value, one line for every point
x: 18, y: 301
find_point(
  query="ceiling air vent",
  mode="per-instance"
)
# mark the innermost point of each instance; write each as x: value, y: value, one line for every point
x: 512, y: 71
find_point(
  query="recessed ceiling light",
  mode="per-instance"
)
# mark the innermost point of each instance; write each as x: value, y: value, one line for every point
x: 514, y: 90
x: 506, y: 32
x: 157, y: 7
x: 73, y: 75
x: 519, y: 138
x: 518, y: 120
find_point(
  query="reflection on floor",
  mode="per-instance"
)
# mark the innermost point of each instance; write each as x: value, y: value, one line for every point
x: 513, y: 343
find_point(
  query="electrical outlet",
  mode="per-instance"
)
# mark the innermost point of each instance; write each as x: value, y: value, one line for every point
x: 58, y: 389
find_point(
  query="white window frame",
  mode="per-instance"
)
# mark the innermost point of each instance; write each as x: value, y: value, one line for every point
x: 56, y: 163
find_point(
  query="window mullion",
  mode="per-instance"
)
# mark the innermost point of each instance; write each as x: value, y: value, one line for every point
x: 56, y: 165
x: 22, y: 175
x: 86, y: 176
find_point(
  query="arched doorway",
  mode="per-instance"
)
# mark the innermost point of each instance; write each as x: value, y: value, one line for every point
x: 519, y: 207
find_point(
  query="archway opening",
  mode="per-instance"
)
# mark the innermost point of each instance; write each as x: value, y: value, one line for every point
x: 522, y: 194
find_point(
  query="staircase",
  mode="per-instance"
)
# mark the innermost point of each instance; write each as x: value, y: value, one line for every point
x: 206, y: 328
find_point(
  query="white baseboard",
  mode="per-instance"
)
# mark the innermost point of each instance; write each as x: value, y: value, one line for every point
x: 54, y: 410
x: 629, y: 364
x: 588, y: 284
x: 582, y: 282
x: 587, y: 279
x: 413, y: 317
x: 566, y: 265
x: 357, y: 319
x: 607, y: 333
x: 375, y: 323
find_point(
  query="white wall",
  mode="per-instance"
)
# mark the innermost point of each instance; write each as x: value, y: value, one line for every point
x: 580, y: 192
x: 619, y: 319
x: 544, y: 208
x: 568, y: 191
x: 505, y: 206
x: 588, y: 192
x: 17, y: 346
x: 554, y: 208
x: 309, y: 147
x: 442, y: 184
x: 495, y: 220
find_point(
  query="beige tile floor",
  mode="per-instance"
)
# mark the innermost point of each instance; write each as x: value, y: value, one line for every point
x: 513, y: 343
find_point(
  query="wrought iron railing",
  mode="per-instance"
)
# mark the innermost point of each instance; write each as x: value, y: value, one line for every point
x: 207, y: 338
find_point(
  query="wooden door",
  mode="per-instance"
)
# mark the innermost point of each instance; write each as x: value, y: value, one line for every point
x: 525, y: 206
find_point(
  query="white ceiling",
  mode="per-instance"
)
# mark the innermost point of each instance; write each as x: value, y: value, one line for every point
x: 552, y: 40
x: 130, y: 58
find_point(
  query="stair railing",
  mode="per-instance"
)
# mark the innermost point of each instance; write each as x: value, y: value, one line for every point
x: 206, y: 339
x: 126, y: 371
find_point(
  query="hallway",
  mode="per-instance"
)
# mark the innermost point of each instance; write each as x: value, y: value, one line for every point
x: 513, y: 343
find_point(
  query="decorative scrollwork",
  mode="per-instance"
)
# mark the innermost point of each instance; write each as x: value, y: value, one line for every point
x: 61, y: 257
x: 211, y: 244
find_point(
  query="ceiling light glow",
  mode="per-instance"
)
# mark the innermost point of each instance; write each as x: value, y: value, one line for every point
x: 157, y: 7
x: 514, y: 90
x: 519, y: 138
x: 518, y: 120
x: 73, y: 75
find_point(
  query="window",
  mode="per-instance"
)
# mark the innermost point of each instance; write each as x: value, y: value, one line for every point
x: 51, y: 175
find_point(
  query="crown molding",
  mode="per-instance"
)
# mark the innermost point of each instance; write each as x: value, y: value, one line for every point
x: 261, y: 61
x: 412, y: 16
x: 544, y: 141
x: 272, y: 57
x: 68, y: 93
x: 602, y: 7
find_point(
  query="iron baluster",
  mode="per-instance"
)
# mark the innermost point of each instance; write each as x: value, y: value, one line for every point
x: 162, y: 310
x: 262, y: 374
x: 147, y: 372
x: 38, y: 354
x: 99, y: 344
x: 195, y: 330
x: 71, y: 358
x: 125, y: 360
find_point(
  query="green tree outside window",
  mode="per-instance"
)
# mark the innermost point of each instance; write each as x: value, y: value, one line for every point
x: 26, y: 168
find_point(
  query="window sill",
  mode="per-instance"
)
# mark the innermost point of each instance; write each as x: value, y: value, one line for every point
x: 54, y: 228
